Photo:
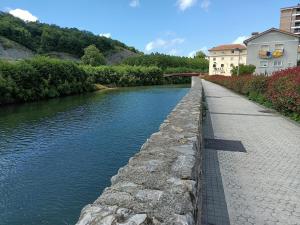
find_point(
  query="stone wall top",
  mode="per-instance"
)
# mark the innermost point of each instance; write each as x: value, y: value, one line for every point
x: 161, y: 184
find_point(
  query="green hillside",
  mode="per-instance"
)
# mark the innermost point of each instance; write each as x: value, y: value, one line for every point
x: 46, y: 38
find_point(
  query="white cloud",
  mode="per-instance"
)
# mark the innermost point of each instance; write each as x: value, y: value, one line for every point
x: 240, y: 40
x: 163, y: 44
x: 205, y: 4
x: 134, y: 3
x: 158, y: 43
x: 107, y: 35
x: 193, y: 53
x: 185, y: 4
x: 23, y: 14
x: 173, y: 52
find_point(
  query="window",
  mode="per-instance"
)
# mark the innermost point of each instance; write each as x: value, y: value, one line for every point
x: 214, y: 59
x: 222, y: 65
x: 232, y: 51
x: 297, y: 24
x: 263, y: 63
x: 277, y: 63
x: 214, y: 65
x: 278, y: 46
x: 223, y: 52
x: 297, y: 30
x: 265, y: 47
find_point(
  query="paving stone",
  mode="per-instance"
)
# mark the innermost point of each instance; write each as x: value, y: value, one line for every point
x: 258, y: 186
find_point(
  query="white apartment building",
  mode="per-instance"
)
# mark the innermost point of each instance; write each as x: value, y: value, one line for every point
x: 222, y: 58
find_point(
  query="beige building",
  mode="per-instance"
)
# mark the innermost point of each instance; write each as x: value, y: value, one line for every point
x: 222, y: 58
x: 290, y: 19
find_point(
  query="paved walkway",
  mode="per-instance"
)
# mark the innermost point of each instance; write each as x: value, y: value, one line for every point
x: 252, y: 170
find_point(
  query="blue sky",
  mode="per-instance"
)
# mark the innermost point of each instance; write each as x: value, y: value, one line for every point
x: 178, y: 27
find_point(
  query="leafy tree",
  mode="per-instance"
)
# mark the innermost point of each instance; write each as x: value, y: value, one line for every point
x: 167, y: 61
x: 92, y: 56
x: 244, y: 70
x: 49, y: 39
x: 200, y: 55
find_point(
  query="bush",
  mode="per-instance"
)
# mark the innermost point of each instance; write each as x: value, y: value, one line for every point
x: 280, y: 91
x: 244, y: 70
x: 41, y: 78
x: 170, y: 70
x: 92, y: 56
x: 130, y: 76
x: 166, y: 61
x: 284, y: 90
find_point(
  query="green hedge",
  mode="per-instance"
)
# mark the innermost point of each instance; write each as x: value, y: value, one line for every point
x: 41, y: 78
x: 125, y: 76
x: 243, y: 70
x: 167, y: 61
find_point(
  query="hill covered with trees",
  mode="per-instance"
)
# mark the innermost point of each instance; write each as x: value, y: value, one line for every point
x: 88, y: 61
x: 46, y: 38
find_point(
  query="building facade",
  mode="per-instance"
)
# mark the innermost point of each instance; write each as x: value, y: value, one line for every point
x: 272, y: 50
x: 290, y: 19
x: 222, y: 58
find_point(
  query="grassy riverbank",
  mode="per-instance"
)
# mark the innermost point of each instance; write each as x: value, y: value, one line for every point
x: 281, y: 91
x: 44, y: 78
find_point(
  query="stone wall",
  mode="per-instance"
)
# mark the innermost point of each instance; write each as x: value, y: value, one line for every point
x: 162, y: 183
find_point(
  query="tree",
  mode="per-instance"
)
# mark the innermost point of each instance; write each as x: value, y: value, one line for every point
x: 244, y: 70
x: 200, y: 55
x: 92, y: 56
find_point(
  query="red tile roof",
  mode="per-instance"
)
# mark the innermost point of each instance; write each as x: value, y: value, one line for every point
x: 228, y: 47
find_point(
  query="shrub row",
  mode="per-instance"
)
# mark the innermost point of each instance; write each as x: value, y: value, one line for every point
x: 125, y: 76
x: 167, y: 61
x: 43, y: 78
x: 280, y: 91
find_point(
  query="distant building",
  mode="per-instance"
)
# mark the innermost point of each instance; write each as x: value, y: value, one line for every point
x: 290, y: 19
x: 272, y: 50
x: 222, y: 58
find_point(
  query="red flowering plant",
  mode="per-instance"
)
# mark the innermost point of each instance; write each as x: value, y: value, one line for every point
x: 284, y: 90
x: 280, y: 91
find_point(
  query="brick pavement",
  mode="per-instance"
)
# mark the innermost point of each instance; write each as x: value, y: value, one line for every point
x: 260, y: 186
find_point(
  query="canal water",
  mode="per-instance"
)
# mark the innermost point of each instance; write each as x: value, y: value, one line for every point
x: 57, y: 156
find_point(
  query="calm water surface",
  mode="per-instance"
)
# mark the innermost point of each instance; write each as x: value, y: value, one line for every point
x: 57, y: 156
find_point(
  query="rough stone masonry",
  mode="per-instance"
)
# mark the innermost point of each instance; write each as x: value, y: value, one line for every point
x: 162, y: 183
